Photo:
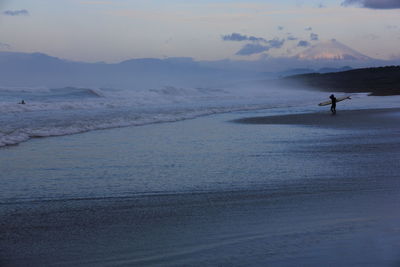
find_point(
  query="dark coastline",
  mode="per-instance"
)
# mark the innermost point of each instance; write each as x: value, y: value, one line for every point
x: 382, y: 81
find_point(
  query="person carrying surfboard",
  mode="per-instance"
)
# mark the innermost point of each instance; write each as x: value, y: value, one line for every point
x: 333, y: 106
x: 333, y: 100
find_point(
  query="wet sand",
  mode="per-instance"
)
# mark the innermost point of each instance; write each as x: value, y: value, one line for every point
x: 367, y: 118
x: 207, y: 192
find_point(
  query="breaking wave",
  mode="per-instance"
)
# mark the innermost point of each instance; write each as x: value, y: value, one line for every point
x: 70, y: 110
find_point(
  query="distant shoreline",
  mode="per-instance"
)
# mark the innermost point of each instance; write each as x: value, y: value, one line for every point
x: 382, y: 81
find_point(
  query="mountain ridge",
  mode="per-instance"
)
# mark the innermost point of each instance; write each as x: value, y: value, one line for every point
x: 39, y: 69
x: 331, y: 50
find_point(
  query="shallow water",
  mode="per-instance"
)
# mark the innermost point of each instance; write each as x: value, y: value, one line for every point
x: 63, y: 111
x: 203, y: 192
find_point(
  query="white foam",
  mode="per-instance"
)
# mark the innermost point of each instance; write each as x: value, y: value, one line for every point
x: 110, y: 108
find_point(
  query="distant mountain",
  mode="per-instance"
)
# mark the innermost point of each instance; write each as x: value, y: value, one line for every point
x: 378, y: 81
x: 328, y: 70
x: 38, y: 69
x: 331, y: 50
x: 291, y: 72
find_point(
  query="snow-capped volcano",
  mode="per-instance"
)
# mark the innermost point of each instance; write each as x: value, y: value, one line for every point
x: 331, y: 50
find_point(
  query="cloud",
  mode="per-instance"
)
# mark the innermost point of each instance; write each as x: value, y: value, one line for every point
x: 308, y: 29
x: 314, y: 37
x: 374, y: 4
x: 239, y: 38
x: 250, y: 49
x: 4, y: 46
x: 21, y: 12
x: 234, y: 37
x: 280, y: 28
x: 303, y: 44
x: 275, y: 43
x: 256, y: 39
x: 292, y: 38
x: 257, y: 45
x: 256, y: 48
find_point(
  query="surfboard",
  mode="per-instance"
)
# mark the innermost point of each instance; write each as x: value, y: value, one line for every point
x: 338, y: 99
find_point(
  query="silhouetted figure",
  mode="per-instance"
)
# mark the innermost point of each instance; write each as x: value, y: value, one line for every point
x: 333, y: 106
x: 22, y: 102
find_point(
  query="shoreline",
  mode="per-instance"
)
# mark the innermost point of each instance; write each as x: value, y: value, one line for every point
x: 340, y: 188
x: 360, y: 118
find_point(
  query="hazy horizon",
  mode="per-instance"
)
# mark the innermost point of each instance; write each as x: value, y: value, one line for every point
x: 114, y: 31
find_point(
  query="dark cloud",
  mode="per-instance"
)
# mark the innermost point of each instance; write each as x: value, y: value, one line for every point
x: 308, y: 29
x: 240, y: 38
x: 256, y: 48
x: 314, y: 37
x: 374, y: 4
x: 303, y: 44
x: 234, y: 37
x: 291, y: 37
x: 250, y: 49
x: 21, y: 12
x: 275, y: 43
x: 257, y: 45
x: 256, y: 39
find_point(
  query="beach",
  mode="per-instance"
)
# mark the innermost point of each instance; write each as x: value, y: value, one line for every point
x: 199, y: 133
x: 366, y: 118
x: 251, y: 188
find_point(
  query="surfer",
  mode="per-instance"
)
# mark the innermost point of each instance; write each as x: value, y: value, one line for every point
x: 22, y: 102
x: 333, y: 106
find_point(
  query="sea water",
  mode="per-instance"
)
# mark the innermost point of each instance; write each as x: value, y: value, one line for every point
x: 69, y: 110
x: 197, y: 192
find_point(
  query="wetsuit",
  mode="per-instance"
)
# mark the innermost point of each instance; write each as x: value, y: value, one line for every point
x: 333, y: 107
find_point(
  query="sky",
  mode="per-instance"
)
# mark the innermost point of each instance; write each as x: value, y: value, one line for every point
x: 116, y: 30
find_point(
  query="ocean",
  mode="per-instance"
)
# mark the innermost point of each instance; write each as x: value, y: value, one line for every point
x: 69, y: 110
x: 179, y: 188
